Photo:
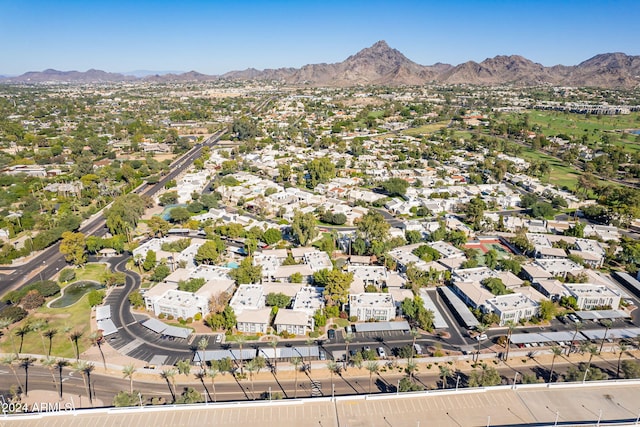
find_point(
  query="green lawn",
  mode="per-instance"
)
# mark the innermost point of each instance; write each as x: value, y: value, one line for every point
x: 92, y: 271
x: 76, y: 317
x: 560, y: 174
x: 425, y: 130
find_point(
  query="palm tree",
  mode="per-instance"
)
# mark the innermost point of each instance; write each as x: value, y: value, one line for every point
x: 309, y: 342
x: 50, y: 362
x: 202, y: 346
x: 240, y: 340
x: 415, y: 334
x: 127, y: 372
x: 60, y: 364
x: 8, y: 360
x: 6, y: 324
x: 252, y: 366
x: 39, y: 326
x: 557, y: 351
x: 21, y: 332
x: 623, y: 347
x: 273, y: 344
x: 50, y: 333
x: 213, y: 373
x: 169, y: 376
x: 445, y: 373
x: 97, y: 339
x: 85, y: 368
x: 607, y: 325
x: 201, y: 375
x: 184, y: 367
x: 593, y: 350
x: 25, y: 364
x: 411, y: 367
x: 576, y: 328
x: 347, y: 340
x: 510, y: 328
x: 481, y: 328
x: 296, y: 361
x: 75, y: 337
x: 333, y: 368
x: 372, y: 367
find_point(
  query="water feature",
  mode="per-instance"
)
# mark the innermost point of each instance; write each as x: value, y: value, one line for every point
x: 72, y: 293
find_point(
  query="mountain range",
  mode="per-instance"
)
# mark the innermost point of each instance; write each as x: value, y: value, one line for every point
x: 383, y: 65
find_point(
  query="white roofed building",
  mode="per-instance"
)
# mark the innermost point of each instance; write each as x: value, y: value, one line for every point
x: 368, y: 306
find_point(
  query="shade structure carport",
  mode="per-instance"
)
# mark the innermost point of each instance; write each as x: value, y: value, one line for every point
x: 459, y: 308
x: 171, y: 331
x: 107, y: 327
x: 598, y: 334
x: 602, y: 314
x: 438, y: 318
x: 383, y: 326
x: 233, y: 354
x: 545, y: 337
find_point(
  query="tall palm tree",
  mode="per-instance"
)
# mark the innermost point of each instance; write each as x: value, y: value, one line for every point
x: 510, y: 328
x: 85, y: 368
x: 372, y: 366
x: 623, y: 348
x: 241, y: 340
x: 333, y: 368
x: 127, y: 372
x: 557, y: 351
x: 6, y: 323
x: 25, y: 364
x: 39, y: 326
x: 169, y: 376
x: 50, y: 363
x: 309, y: 342
x: 415, y: 334
x: 273, y: 344
x: 97, y: 339
x: 21, y: 331
x: 8, y: 360
x: 213, y: 373
x: 75, y: 337
x: 411, y: 367
x: 576, y: 328
x: 347, y: 340
x: 445, y: 373
x: 50, y: 333
x: 202, y: 346
x: 60, y: 364
x: 481, y: 328
x: 296, y: 361
x: 201, y: 375
x: 252, y: 367
x: 607, y: 325
x: 593, y: 350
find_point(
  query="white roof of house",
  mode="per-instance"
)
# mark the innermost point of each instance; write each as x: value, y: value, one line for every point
x: 291, y: 317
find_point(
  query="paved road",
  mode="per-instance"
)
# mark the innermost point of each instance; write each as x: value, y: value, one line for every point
x: 49, y: 261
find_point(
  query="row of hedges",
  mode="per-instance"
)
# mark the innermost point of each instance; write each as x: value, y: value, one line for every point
x: 46, y: 288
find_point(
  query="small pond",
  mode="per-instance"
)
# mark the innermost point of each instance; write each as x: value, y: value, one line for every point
x: 72, y: 293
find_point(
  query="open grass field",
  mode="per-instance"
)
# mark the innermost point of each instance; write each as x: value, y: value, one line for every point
x: 75, y: 317
x: 560, y: 173
x: 553, y: 123
x: 425, y: 130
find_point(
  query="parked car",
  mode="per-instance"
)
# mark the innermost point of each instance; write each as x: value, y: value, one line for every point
x: 482, y: 337
x: 366, y: 348
x: 331, y: 334
x: 417, y: 348
x: 218, y: 339
x: 381, y: 353
x: 573, y: 318
x: 323, y: 356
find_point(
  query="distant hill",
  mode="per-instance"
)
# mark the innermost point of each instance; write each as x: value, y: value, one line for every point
x: 383, y: 65
x: 145, y: 73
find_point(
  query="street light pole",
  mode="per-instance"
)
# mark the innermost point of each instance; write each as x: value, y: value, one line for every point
x: 398, y: 388
x: 457, y: 382
x: 515, y: 378
x: 585, y: 375
x: 140, y: 399
x: 599, y: 418
x: 557, y: 416
x: 269, y: 393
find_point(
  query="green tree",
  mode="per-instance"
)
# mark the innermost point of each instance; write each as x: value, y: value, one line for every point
x: 474, y: 211
x: 158, y: 226
x: 491, y: 259
x: 304, y: 227
x: 73, y: 246
x: 336, y: 285
x: 486, y: 377
x: 209, y: 252
x: 320, y: 171
x: 179, y: 214
x: 277, y: 300
x: 272, y: 236
x: 246, y: 272
x: 547, y: 310
x: 395, y: 186
x: 149, y: 260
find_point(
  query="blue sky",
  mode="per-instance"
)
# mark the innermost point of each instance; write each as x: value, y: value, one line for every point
x: 214, y: 37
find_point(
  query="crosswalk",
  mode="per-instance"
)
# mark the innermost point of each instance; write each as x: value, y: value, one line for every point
x: 316, y: 389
